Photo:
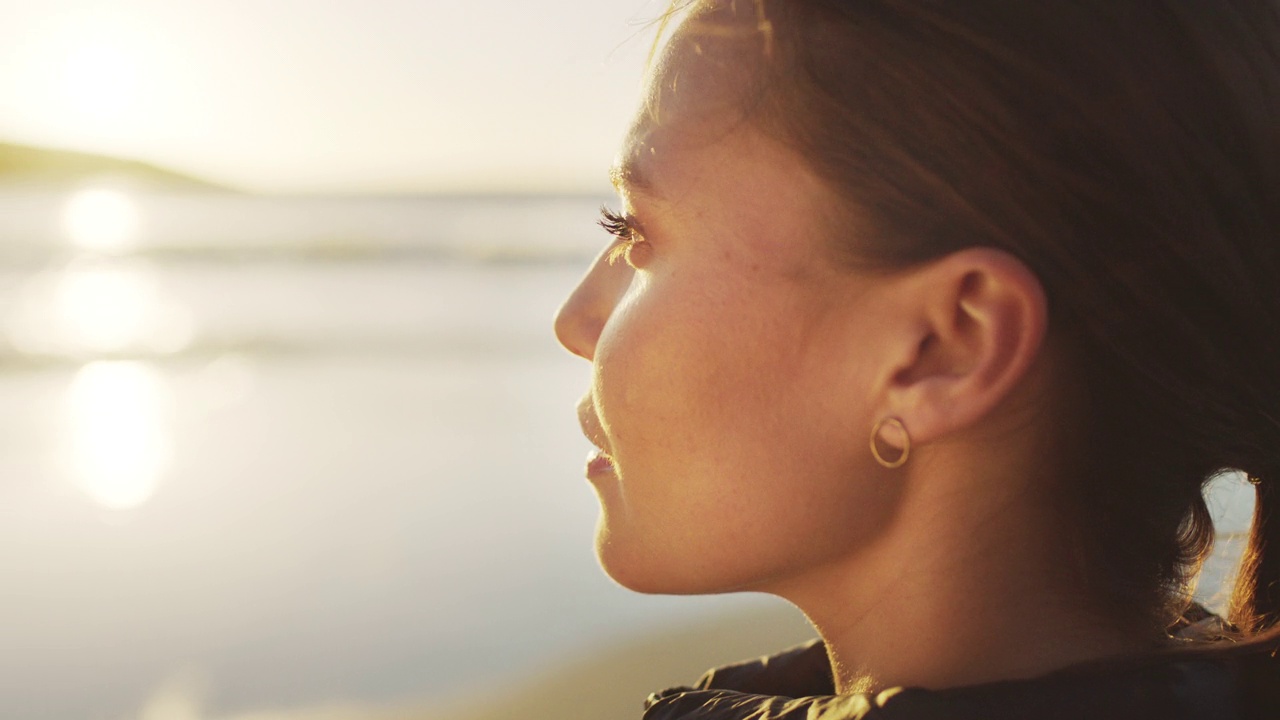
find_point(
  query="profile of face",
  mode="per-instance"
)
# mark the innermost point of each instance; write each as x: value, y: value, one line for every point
x: 729, y: 348
x: 742, y: 357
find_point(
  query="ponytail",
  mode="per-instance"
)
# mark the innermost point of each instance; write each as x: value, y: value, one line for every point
x: 1255, y: 601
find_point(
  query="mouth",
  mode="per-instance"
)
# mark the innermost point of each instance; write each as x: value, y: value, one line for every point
x: 599, y: 463
x: 600, y: 460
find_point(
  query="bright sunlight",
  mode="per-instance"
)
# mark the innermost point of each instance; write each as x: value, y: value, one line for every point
x: 99, y: 80
x: 101, y: 220
x: 117, y: 432
x: 94, y: 307
x: 95, y: 79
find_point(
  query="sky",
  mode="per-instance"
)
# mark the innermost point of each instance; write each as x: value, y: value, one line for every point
x: 332, y: 96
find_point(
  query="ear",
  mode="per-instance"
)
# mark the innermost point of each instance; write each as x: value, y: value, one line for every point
x: 975, y: 322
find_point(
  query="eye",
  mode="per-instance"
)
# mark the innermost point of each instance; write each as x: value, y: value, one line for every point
x: 623, y: 228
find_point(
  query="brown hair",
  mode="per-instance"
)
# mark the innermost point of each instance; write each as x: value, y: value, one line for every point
x: 1129, y: 154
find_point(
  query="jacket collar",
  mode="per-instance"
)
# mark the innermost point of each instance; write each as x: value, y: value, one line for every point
x: 1240, y: 682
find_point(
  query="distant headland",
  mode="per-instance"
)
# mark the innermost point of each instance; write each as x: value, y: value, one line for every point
x: 45, y: 167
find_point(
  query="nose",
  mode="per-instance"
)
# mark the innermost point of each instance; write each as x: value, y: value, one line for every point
x: 584, y: 314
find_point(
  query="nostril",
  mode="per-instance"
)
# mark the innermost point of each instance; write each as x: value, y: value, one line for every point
x: 578, y: 344
x: 580, y: 352
x: 571, y: 330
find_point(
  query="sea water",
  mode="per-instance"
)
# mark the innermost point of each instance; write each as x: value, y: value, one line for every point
x: 306, y: 450
x: 298, y: 451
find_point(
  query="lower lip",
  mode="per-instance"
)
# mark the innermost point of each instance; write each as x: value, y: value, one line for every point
x: 598, y: 463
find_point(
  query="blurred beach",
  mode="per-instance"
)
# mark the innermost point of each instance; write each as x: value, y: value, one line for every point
x: 308, y: 451
x: 285, y: 457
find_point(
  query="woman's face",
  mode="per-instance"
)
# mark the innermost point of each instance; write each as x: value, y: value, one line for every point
x: 730, y: 356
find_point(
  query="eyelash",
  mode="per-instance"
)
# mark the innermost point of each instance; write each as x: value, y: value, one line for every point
x: 620, y: 227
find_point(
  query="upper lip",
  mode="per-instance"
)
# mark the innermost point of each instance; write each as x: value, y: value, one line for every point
x: 590, y: 423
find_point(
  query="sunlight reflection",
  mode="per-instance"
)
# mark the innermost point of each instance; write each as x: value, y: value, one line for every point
x: 98, y: 307
x: 102, y: 220
x: 105, y: 308
x: 117, y: 432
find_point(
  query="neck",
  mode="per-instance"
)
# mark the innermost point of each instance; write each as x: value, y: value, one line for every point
x: 969, y: 592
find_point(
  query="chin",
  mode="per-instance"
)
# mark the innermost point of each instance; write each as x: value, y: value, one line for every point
x: 639, y: 569
x: 621, y: 566
x: 646, y: 581
x: 631, y: 567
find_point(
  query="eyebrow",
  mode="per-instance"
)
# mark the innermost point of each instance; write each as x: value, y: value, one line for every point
x: 626, y: 176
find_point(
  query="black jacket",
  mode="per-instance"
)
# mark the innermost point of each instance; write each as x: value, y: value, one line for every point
x: 1239, y: 683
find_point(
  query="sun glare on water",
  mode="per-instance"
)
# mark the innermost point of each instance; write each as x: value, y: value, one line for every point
x: 117, y: 434
x: 94, y: 307
x: 101, y: 220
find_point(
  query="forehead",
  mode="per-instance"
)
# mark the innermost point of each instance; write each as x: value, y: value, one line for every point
x: 699, y: 163
x: 698, y: 90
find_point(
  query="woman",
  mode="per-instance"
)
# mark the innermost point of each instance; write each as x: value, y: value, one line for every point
x: 934, y: 318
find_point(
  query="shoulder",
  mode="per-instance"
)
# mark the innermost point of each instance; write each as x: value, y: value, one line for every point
x: 1237, y: 682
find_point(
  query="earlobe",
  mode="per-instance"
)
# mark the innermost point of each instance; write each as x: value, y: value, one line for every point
x: 980, y: 319
x: 903, y: 441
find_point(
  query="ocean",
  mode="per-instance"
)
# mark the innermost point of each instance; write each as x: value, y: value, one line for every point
x: 288, y: 452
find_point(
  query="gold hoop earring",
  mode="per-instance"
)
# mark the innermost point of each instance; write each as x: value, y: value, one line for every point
x: 906, y: 443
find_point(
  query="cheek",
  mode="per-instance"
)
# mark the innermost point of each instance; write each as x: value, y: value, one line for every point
x: 676, y: 362
x: 712, y: 371
x: 725, y: 437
